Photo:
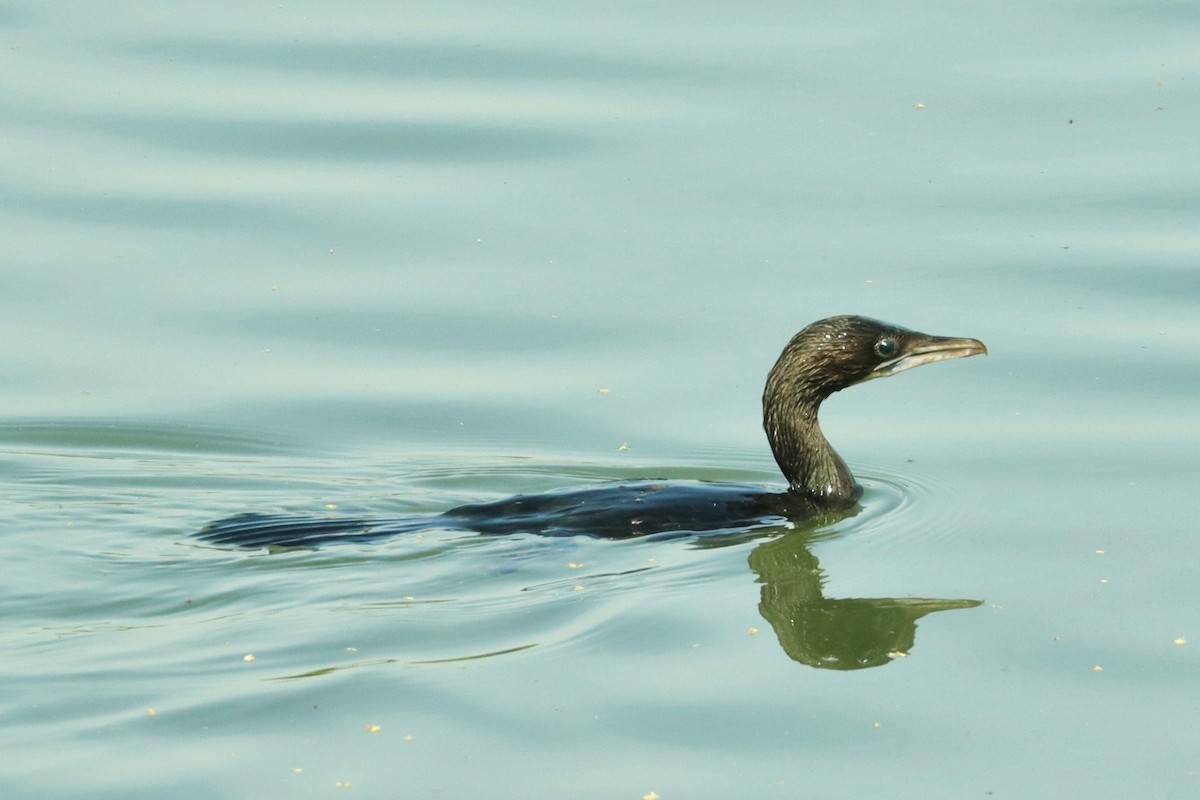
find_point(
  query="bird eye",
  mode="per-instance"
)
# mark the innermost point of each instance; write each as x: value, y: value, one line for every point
x: 885, y: 347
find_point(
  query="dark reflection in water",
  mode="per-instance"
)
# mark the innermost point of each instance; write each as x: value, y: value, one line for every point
x: 350, y: 140
x: 833, y: 633
x: 426, y: 60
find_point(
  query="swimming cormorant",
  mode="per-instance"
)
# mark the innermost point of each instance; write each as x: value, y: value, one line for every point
x: 825, y: 357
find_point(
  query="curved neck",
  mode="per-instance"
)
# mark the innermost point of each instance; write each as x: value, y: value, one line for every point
x: 804, y: 455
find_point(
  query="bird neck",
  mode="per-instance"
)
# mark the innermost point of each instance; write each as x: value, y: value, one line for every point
x: 810, y: 464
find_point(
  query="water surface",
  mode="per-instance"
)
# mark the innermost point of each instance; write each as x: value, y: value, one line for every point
x: 392, y: 259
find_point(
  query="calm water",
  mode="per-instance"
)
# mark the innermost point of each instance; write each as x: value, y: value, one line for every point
x: 389, y: 259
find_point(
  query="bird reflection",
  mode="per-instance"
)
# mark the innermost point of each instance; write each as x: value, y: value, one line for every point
x: 833, y: 633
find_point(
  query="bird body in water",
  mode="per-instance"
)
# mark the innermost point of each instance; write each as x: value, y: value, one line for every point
x: 825, y: 357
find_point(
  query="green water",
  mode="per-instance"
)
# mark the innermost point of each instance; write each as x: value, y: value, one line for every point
x: 391, y: 259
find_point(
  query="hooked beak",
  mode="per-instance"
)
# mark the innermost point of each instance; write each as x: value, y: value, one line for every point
x: 920, y: 349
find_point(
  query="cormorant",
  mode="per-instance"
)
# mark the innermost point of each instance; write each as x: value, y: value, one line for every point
x: 823, y: 358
